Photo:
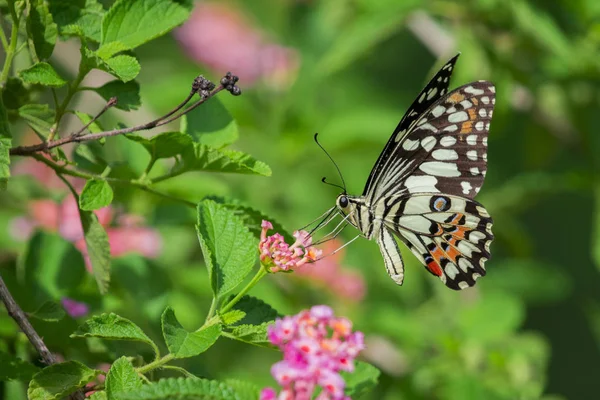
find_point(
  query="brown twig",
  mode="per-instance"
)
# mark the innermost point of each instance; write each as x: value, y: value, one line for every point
x: 16, y: 313
x: 76, y: 137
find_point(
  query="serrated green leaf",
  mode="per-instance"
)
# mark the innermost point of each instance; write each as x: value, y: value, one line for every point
x: 38, y: 116
x: 253, y: 334
x: 59, y: 380
x: 5, y: 145
x: 13, y: 368
x: 212, y: 125
x: 81, y: 18
x: 181, y: 343
x: 111, y: 326
x: 124, y: 67
x: 121, y: 378
x: 98, y: 248
x: 362, y: 380
x: 256, y: 311
x: 127, y: 20
x: 164, y: 145
x: 90, y: 156
x: 49, y: 311
x: 204, y: 158
x: 110, y: 49
x: 233, y: 316
x: 183, y: 389
x: 252, y: 217
x: 41, y: 29
x: 95, y: 195
x: 229, y: 249
x: 42, y: 73
x: 100, y: 395
x: 127, y: 94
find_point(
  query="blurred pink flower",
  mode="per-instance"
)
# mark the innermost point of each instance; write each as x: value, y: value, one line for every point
x: 316, y: 346
x: 220, y: 37
x: 74, y: 308
x: 329, y: 273
x: 277, y: 255
x: 126, y: 234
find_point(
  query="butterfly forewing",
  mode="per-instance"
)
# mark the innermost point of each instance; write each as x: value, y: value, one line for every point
x: 445, y: 150
x: 436, y: 88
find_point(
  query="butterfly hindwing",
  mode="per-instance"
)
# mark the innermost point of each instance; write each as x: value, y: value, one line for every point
x: 449, y: 234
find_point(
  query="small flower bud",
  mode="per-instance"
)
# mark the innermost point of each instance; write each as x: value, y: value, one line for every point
x: 236, y: 91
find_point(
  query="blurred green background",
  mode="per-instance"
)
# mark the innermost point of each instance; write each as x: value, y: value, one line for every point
x: 348, y: 69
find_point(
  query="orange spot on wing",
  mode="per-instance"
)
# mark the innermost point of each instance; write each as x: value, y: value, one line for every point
x: 452, y: 253
x: 475, y: 101
x: 466, y: 127
x: 472, y: 114
x: 456, y: 98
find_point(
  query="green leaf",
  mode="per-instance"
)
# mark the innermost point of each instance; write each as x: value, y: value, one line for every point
x: 124, y: 67
x: 41, y: 29
x: 15, y: 94
x: 212, y: 125
x: 181, y: 343
x: 59, y: 380
x: 127, y: 94
x: 53, y: 266
x: 164, y: 145
x: 100, y: 395
x: 252, y: 334
x: 96, y: 194
x: 90, y: 156
x: 362, y: 380
x: 113, y: 327
x: 38, y: 116
x: 5, y: 145
x: 256, y: 311
x: 183, y: 389
x: 98, y: 248
x: 204, y: 158
x: 233, y: 316
x: 42, y: 73
x: 135, y: 22
x: 49, y: 311
x: 252, y: 217
x: 230, y: 250
x: 121, y: 378
x: 14, y: 368
x: 82, y: 18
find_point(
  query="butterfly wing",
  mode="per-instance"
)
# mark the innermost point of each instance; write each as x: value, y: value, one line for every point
x: 449, y: 234
x: 436, y: 88
x: 445, y: 150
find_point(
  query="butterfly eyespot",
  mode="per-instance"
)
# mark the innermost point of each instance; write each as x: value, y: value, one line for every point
x: 440, y: 203
x: 343, y: 201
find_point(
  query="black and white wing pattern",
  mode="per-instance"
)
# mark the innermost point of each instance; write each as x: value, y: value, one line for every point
x: 423, y: 184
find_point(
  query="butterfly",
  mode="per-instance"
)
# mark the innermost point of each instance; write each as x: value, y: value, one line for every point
x: 422, y: 186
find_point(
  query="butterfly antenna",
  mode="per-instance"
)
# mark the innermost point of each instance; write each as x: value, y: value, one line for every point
x: 336, y: 166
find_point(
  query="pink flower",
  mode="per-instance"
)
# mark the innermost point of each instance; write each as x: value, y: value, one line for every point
x: 74, y: 308
x: 316, y: 346
x: 277, y: 255
x: 329, y: 273
x: 220, y: 37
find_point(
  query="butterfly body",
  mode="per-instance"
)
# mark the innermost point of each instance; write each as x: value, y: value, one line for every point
x: 422, y: 186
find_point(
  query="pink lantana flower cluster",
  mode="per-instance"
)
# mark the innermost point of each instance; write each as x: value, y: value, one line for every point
x: 277, y: 255
x: 316, y: 346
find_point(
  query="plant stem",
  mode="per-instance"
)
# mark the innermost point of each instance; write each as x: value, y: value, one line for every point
x: 10, y: 53
x: 154, y: 364
x: 261, y: 272
x: 60, y: 112
x: 18, y: 315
